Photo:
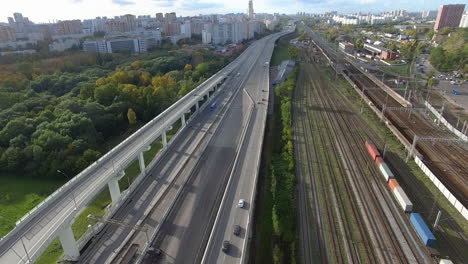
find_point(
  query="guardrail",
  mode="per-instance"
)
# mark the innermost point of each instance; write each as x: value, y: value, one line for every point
x: 243, y: 132
x: 445, y: 122
x: 90, y: 233
x: 245, y: 251
x: 67, y: 186
x: 179, y: 191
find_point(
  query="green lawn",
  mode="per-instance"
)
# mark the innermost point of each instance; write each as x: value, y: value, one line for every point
x: 18, y: 195
x: 280, y: 53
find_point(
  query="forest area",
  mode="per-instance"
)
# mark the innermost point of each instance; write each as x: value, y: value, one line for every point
x: 58, y: 113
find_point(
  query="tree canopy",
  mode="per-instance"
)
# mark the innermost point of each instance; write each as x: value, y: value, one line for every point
x: 58, y: 111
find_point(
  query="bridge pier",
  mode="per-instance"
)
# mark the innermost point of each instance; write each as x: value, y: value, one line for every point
x: 141, y: 160
x: 197, y: 106
x: 164, y: 139
x: 69, y: 245
x: 182, y: 120
x: 114, y: 189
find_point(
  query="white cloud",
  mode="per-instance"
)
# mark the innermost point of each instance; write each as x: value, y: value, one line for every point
x: 47, y: 10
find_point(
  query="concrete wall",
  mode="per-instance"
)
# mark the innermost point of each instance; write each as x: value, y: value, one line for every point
x: 445, y: 122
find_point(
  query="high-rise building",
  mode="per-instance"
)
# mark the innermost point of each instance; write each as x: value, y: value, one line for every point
x: 464, y: 20
x: 7, y: 34
x: 449, y: 16
x: 160, y: 17
x: 186, y: 30
x: 251, y: 11
x: 429, y: 14
x: 171, y: 17
x: 18, y: 17
x: 69, y: 27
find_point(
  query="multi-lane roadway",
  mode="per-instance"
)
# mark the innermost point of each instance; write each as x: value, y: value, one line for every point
x: 194, y: 172
x: 244, y: 177
x: 37, y: 231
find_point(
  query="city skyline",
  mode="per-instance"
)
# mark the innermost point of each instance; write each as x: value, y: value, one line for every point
x: 40, y: 12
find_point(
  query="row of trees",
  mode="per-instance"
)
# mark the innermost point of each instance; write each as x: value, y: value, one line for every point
x: 63, y: 120
x: 283, y: 179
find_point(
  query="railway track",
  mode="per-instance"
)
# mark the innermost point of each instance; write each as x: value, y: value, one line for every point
x: 440, y: 157
x: 448, y: 228
x: 375, y: 242
x: 447, y: 161
x: 355, y: 168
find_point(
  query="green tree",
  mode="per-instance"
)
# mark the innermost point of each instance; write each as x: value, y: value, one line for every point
x: 105, y: 94
x: 359, y: 44
x: 89, y: 156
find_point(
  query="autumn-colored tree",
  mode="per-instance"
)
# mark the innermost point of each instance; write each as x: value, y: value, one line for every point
x: 188, y: 67
x: 131, y: 115
x: 145, y: 79
x: 136, y: 65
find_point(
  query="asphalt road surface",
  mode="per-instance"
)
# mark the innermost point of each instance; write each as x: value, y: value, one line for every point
x: 243, y: 182
x: 183, y: 159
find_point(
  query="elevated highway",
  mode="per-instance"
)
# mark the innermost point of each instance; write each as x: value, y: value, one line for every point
x: 53, y: 217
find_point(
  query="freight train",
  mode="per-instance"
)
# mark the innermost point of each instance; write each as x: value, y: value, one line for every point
x: 416, y: 220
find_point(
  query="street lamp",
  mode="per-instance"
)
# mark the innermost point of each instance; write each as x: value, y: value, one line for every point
x: 73, y: 193
x: 24, y: 247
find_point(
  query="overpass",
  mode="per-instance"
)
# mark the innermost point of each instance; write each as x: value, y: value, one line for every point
x: 53, y: 217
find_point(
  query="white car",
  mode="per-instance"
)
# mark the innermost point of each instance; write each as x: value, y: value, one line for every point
x: 241, y: 203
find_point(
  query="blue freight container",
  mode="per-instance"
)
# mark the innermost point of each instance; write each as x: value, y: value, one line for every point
x: 423, y: 231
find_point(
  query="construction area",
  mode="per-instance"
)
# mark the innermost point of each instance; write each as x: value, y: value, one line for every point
x: 347, y: 213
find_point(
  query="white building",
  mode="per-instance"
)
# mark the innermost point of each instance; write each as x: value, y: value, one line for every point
x: 207, y: 33
x: 375, y: 20
x: 186, y: 30
x: 63, y: 44
x: 429, y: 14
x: 464, y: 20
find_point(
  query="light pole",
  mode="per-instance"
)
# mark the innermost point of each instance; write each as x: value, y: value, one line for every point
x: 73, y: 192
x: 24, y: 247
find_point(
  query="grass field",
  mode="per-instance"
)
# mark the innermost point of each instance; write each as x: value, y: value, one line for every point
x: 280, y: 53
x: 19, y: 195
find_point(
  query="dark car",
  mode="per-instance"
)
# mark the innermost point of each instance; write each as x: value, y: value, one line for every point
x: 225, y: 246
x: 237, y: 229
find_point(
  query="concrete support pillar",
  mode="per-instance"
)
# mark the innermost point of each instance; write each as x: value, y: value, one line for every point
x: 164, y: 139
x: 114, y: 190
x: 69, y: 245
x: 182, y: 119
x: 141, y: 159
x: 197, y: 105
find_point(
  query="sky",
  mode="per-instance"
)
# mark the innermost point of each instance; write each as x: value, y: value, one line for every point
x: 40, y: 11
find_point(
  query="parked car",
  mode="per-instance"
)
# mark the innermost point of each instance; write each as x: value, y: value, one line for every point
x: 236, y: 230
x: 225, y: 247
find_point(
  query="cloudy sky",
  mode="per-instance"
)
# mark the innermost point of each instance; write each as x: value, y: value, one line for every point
x: 48, y: 10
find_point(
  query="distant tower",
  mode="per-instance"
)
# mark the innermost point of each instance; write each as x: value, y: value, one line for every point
x: 251, y: 11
